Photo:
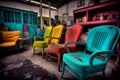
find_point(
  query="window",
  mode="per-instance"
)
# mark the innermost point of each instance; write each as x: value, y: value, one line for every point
x: 17, y: 17
x: 80, y: 3
x: 25, y: 18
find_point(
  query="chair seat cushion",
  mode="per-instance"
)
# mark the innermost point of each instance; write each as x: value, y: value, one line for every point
x: 40, y: 44
x: 8, y: 44
x: 56, y: 48
x: 80, y: 61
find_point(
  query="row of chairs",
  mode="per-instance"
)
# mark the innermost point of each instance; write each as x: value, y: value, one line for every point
x: 50, y: 34
x: 99, y: 46
x: 72, y: 34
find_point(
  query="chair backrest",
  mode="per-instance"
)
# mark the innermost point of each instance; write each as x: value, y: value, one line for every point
x: 57, y: 33
x: 104, y: 37
x: 47, y: 33
x: 72, y: 34
x: 40, y: 32
x: 8, y: 36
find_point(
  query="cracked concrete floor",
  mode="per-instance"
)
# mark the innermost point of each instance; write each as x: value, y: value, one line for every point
x: 50, y: 65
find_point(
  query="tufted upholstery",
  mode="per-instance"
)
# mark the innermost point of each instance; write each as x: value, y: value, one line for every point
x: 10, y: 39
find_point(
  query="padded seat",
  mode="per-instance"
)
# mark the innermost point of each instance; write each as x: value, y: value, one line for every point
x: 56, y: 48
x: 7, y: 44
x: 11, y: 39
x: 43, y: 44
x: 81, y: 61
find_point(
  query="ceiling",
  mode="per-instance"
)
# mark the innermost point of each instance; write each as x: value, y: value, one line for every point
x: 54, y: 3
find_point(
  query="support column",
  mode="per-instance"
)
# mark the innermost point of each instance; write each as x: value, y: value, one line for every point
x: 41, y: 25
x: 49, y: 15
x: 67, y: 8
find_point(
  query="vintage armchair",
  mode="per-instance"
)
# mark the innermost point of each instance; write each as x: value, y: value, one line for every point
x: 41, y: 41
x: 10, y: 40
x: 48, y: 38
x: 56, y: 34
x: 99, y: 46
x: 72, y: 34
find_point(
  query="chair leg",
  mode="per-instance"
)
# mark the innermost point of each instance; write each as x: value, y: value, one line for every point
x: 63, y: 69
x: 59, y: 62
x: 104, y: 74
x: 47, y: 54
x: 42, y: 51
x: 33, y: 50
x: 82, y: 77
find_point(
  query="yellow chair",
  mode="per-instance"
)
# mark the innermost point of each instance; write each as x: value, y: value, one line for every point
x: 42, y: 44
x: 10, y: 40
x: 56, y: 33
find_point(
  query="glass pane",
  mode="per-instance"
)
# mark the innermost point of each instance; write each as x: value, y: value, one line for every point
x: 17, y: 17
x: 25, y: 18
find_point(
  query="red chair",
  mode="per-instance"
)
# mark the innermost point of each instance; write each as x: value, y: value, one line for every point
x: 72, y: 34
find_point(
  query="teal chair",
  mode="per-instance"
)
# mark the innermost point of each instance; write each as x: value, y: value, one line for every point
x: 99, y: 47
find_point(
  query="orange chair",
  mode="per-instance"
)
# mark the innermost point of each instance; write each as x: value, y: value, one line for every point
x: 72, y: 34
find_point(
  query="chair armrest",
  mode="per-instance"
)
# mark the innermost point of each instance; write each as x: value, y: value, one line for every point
x: 97, y: 53
x: 37, y: 38
x: 66, y: 45
x: 49, y: 41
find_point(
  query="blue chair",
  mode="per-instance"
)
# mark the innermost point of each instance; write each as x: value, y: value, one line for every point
x: 40, y: 33
x: 99, y: 46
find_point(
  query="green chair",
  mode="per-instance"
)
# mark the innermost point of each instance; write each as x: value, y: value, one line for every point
x: 42, y: 43
x: 99, y: 47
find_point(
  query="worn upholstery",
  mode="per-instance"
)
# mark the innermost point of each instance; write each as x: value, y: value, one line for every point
x: 99, y: 47
x: 11, y: 39
x: 72, y: 34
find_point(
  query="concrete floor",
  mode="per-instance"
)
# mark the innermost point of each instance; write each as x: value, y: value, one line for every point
x: 51, y: 65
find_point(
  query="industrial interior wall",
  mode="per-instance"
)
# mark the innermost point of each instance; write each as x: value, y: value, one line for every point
x: 65, y: 12
x: 23, y: 6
